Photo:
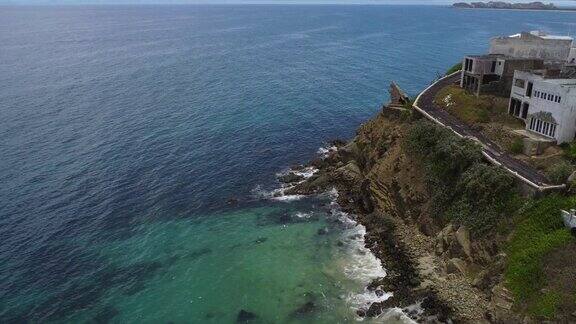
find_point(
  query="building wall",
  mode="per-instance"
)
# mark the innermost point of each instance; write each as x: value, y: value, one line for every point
x: 529, y: 46
x: 572, y: 56
x: 512, y: 65
x: 563, y: 113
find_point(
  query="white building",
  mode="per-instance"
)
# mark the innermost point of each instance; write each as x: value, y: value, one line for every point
x: 534, y: 44
x: 547, y: 105
x: 572, y: 56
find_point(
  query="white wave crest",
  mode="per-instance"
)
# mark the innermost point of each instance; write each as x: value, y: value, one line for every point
x: 325, y: 151
x: 303, y: 215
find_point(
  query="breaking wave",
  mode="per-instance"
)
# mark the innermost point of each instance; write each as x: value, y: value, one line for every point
x: 326, y: 150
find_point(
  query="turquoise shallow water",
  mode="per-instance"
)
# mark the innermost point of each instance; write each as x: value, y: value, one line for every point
x: 125, y: 131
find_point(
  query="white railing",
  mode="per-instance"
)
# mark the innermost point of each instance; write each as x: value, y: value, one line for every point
x: 541, y: 187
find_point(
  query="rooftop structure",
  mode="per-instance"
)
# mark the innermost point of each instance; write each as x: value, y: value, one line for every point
x: 534, y: 44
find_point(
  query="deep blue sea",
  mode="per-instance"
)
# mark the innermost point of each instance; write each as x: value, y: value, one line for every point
x: 126, y: 130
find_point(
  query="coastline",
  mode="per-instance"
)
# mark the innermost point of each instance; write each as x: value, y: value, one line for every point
x: 386, y: 237
x: 430, y: 264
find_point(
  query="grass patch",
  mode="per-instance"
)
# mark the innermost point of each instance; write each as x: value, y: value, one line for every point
x: 475, y: 110
x: 454, y: 68
x: 569, y: 150
x: 462, y: 187
x: 559, y: 172
x: 517, y: 146
x: 540, y: 230
x: 546, y: 305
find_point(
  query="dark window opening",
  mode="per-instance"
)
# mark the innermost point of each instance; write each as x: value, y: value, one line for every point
x: 525, y: 110
x: 529, y: 89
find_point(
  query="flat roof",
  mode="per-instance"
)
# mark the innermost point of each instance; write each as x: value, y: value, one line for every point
x: 543, y: 36
x: 562, y: 82
x: 487, y: 56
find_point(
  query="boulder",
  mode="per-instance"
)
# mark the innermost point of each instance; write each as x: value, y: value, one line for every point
x: 572, y: 177
x: 457, y: 266
x: 290, y: 177
x: 338, y: 142
x: 349, y: 151
x: 446, y: 234
x: 350, y: 171
x: 462, y: 236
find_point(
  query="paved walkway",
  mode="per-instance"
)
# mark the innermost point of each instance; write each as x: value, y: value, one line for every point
x: 425, y: 104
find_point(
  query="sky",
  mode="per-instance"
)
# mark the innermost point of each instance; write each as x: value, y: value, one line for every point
x: 384, y: 2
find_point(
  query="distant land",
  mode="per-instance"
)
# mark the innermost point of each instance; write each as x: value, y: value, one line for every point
x: 507, y: 5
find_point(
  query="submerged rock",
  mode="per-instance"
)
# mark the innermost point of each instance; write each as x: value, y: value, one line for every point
x: 338, y: 142
x: 245, y: 316
x: 322, y: 231
x: 260, y: 240
x: 306, y: 308
x: 284, y: 218
x: 291, y: 177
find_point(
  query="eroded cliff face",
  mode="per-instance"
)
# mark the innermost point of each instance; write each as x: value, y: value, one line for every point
x: 428, y: 259
x: 461, y: 272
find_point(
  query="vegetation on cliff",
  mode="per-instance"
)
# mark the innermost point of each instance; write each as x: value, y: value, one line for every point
x: 464, y: 188
x: 538, y: 232
x: 454, y: 68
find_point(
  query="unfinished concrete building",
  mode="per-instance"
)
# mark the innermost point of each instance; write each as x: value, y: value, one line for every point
x: 493, y: 73
x: 534, y: 44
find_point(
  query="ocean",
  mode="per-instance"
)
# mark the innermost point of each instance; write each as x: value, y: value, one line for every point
x: 140, y: 148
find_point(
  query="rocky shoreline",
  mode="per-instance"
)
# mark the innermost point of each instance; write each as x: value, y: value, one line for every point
x: 434, y: 265
x: 402, y: 278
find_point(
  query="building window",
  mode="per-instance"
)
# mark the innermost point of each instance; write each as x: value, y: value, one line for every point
x: 542, y: 127
x: 468, y: 65
x: 519, y: 83
x: 529, y: 90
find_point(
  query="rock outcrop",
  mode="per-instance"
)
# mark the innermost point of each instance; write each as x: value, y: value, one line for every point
x: 427, y: 258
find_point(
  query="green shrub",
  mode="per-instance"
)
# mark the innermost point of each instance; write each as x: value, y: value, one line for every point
x: 569, y: 150
x: 485, y: 194
x: 546, y: 305
x: 539, y: 231
x: 517, y: 146
x: 559, y: 172
x: 462, y: 187
x: 454, y: 68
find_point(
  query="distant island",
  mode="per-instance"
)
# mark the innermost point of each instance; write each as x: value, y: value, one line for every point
x: 507, y: 5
